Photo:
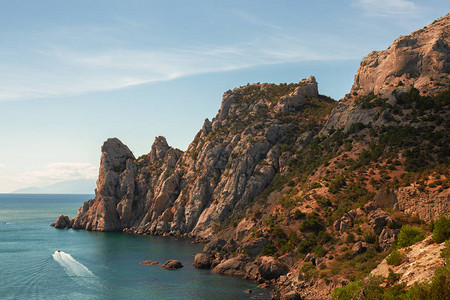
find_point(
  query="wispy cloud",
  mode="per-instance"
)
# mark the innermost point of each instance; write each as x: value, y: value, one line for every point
x: 388, y: 8
x: 64, y: 69
x: 52, y: 173
x: 252, y: 19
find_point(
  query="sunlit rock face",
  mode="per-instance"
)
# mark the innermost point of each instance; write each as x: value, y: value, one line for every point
x: 231, y: 160
x: 420, y: 59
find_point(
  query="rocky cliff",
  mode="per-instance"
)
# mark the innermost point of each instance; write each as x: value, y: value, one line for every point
x: 290, y: 187
x: 420, y: 59
x: 231, y: 160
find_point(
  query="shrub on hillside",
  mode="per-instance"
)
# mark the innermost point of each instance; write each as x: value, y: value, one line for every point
x: 297, y: 215
x: 441, y: 229
x: 269, y: 250
x: 393, y: 277
x: 312, y: 223
x: 369, y: 288
x: 409, y: 235
x: 395, y: 258
x: 308, y: 269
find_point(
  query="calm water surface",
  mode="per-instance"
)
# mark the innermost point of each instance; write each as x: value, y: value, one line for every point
x: 95, y: 265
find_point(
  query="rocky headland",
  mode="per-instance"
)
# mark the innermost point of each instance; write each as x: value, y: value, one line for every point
x: 289, y: 187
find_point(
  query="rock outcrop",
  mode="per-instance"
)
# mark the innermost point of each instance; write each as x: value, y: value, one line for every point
x: 234, y: 266
x: 419, y: 263
x: 296, y: 99
x: 202, y: 261
x: 270, y: 268
x: 428, y: 206
x: 231, y: 160
x: 62, y: 222
x: 420, y: 59
x: 113, y: 205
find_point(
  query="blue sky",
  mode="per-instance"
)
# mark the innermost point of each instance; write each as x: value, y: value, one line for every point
x: 73, y: 73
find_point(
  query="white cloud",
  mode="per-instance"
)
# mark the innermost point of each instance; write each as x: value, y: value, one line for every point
x: 53, y: 173
x: 388, y: 8
x: 64, y: 171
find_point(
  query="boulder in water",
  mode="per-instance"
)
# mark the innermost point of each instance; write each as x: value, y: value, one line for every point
x: 172, y: 264
x: 149, y: 262
x: 62, y: 222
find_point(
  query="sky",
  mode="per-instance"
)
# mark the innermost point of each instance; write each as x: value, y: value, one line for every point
x: 74, y: 73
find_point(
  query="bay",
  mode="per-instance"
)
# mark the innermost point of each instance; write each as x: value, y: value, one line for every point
x: 95, y: 265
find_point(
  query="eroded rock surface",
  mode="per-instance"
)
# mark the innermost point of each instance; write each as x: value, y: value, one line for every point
x: 429, y: 206
x: 231, y: 160
x: 420, y: 262
x: 420, y: 59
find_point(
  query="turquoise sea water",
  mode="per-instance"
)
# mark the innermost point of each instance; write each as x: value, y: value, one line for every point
x: 95, y: 265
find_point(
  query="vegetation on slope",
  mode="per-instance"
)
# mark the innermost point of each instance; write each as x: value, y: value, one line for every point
x: 341, y: 172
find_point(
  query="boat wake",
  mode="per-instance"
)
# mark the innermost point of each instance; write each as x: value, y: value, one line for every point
x: 72, y: 267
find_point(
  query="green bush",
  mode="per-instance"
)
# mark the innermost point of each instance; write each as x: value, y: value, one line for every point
x: 395, y: 258
x: 369, y: 288
x: 409, y: 235
x: 312, y: 223
x: 441, y: 229
x: 308, y: 269
x: 393, y: 277
x: 269, y: 250
x: 315, y: 185
x: 319, y: 251
x: 305, y: 246
x: 297, y: 215
x: 336, y: 184
x: 350, y: 291
x: 445, y: 253
x: 370, y: 237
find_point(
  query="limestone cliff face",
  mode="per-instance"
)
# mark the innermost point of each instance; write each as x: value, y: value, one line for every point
x: 428, y: 206
x: 231, y: 160
x: 114, y: 186
x: 419, y: 263
x: 420, y: 59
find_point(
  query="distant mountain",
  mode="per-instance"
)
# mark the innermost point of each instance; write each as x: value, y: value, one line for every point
x: 77, y: 186
x: 29, y: 190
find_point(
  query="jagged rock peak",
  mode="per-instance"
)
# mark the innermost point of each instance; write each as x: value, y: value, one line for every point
x: 112, y: 162
x: 114, y: 153
x: 206, y: 127
x: 307, y: 88
x: 420, y: 59
x: 279, y: 98
x: 159, y: 148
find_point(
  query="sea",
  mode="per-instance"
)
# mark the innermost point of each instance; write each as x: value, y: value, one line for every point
x: 96, y: 265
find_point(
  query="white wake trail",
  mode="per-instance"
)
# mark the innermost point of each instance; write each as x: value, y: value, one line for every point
x: 72, y: 267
